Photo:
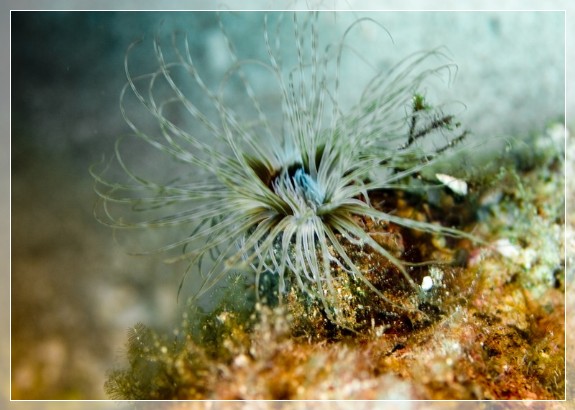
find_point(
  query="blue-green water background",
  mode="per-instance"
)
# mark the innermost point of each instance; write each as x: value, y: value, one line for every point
x: 73, y: 293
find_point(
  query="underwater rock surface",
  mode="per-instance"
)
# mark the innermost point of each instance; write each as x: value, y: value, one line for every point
x: 496, y: 332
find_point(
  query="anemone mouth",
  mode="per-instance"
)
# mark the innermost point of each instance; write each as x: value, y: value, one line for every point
x: 297, y: 189
x: 293, y: 183
x: 267, y: 174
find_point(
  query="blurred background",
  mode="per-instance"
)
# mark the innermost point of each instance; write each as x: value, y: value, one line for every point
x: 74, y: 293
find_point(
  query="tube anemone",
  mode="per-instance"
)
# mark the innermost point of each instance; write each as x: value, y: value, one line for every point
x: 273, y: 169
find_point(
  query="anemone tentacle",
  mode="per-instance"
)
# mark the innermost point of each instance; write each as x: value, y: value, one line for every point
x: 276, y: 187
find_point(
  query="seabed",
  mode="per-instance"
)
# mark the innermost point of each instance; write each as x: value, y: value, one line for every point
x: 490, y: 324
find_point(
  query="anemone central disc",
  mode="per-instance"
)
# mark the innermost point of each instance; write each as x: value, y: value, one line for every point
x: 298, y: 188
x: 308, y: 187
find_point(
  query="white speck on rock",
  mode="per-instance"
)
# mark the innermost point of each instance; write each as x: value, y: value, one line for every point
x: 506, y: 248
x: 458, y: 186
x: 426, y: 283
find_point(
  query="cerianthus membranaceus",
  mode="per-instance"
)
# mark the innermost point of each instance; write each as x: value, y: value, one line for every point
x: 279, y: 164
